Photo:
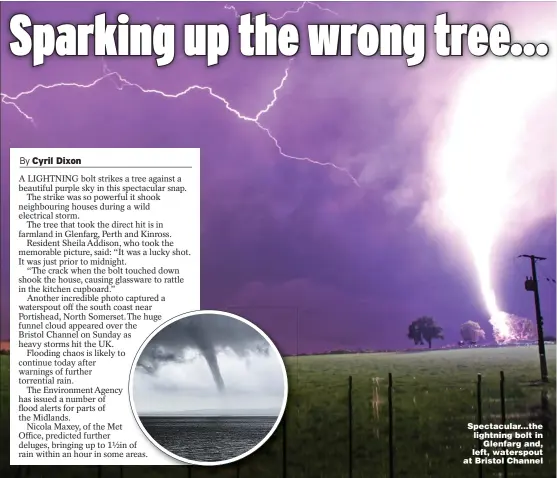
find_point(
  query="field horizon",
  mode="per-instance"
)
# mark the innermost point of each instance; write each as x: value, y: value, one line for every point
x: 434, y: 398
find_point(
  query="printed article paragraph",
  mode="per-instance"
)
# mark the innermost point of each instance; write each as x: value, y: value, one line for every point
x: 104, y: 248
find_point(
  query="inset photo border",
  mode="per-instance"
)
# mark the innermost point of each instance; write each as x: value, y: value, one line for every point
x: 209, y: 343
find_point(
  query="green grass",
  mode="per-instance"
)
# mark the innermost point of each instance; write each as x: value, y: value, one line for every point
x: 434, y: 397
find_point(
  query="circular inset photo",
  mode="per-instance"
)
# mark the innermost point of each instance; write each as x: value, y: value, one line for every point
x: 208, y: 388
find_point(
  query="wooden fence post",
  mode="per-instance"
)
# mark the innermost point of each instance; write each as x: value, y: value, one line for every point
x: 284, y: 443
x: 503, y: 413
x: 391, y: 435
x: 479, y: 406
x: 350, y: 431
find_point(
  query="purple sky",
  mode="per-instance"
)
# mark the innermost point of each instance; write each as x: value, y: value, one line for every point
x: 279, y: 232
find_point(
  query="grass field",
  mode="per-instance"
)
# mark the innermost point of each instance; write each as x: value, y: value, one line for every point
x: 434, y: 397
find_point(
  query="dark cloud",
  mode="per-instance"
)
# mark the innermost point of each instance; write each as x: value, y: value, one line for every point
x: 281, y: 232
x: 208, y: 334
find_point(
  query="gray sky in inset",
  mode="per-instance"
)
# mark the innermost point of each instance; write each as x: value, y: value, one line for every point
x: 208, y: 364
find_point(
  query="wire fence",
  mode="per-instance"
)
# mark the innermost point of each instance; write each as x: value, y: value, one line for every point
x: 371, y: 424
x: 376, y: 427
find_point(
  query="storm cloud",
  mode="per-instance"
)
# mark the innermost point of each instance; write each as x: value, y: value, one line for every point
x: 207, y: 334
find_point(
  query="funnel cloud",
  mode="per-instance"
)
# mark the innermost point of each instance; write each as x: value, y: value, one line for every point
x: 204, y: 334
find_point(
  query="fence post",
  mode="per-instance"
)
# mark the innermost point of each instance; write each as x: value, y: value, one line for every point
x: 503, y: 413
x: 190, y: 471
x: 99, y: 471
x: 391, y: 438
x: 479, y: 404
x: 238, y: 470
x: 284, y: 446
x: 350, y: 426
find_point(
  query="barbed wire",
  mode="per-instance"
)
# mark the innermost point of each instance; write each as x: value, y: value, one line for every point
x: 541, y: 271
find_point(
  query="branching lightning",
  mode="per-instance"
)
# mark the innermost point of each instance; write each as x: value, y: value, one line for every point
x: 7, y: 100
x: 288, y: 12
x: 472, y: 161
x: 121, y: 82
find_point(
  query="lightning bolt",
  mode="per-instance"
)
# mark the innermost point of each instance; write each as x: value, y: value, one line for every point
x: 288, y: 12
x: 8, y: 100
x: 123, y: 82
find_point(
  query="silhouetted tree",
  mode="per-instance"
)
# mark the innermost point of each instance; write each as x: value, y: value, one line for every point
x: 471, y: 332
x: 414, y: 333
x: 426, y: 329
